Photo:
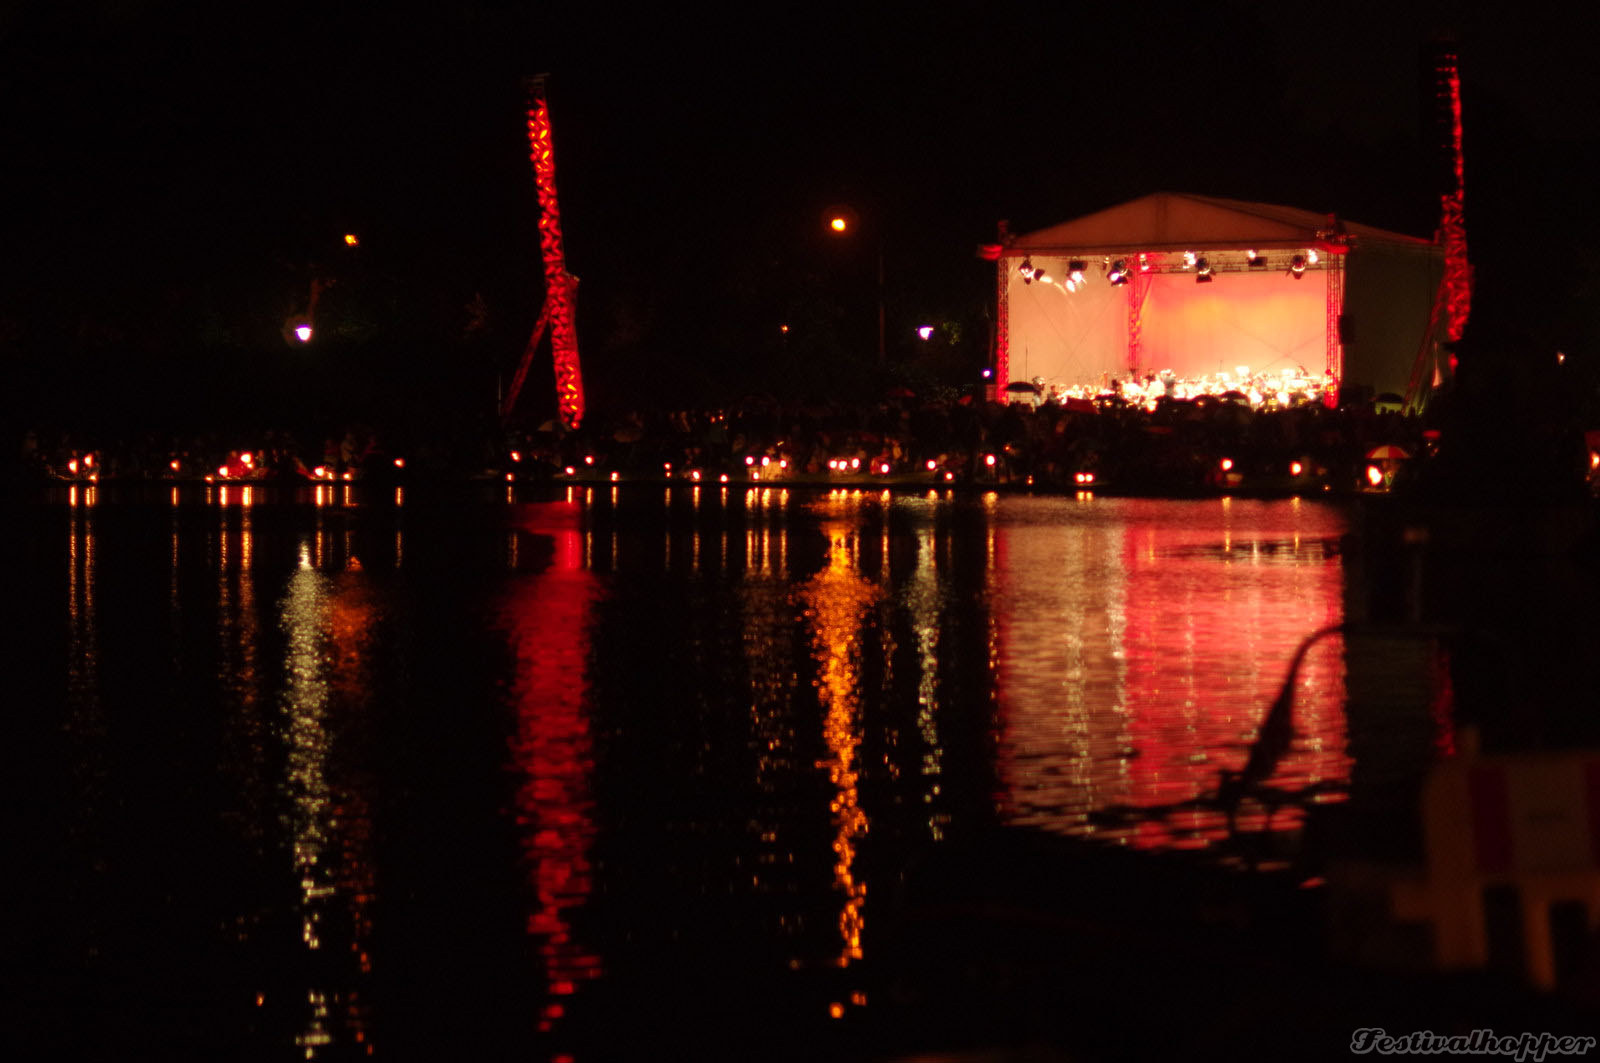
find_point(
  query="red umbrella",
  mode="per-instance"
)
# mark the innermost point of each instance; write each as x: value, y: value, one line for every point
x: 1387, y: 452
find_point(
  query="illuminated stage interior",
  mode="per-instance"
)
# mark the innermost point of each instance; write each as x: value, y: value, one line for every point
x: 1207, y: 292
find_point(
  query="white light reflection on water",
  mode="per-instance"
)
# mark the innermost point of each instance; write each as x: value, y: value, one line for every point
x: 327, y: 622
x: 924, y: 599
x: 766, y: 623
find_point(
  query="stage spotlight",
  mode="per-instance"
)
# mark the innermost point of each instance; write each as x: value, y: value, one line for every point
x: 1257, y: 261
x: 1075, y: 270
x: 1311, y: 256
x: 1026, y: 269
x: 1202, y: 271
x: 1297, y: 266
x: 1041, y: 276
x: 1119, y: 272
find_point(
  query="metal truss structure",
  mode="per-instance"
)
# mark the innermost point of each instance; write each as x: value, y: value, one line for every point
x: 560, y: 312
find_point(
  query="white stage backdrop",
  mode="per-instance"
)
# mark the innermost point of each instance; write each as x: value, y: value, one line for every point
x: 1265, y: 320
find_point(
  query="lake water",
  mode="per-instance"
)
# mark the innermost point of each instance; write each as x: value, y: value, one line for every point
x: 546, y: 772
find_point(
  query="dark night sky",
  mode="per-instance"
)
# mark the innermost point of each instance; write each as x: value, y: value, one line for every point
x: 155, y: 156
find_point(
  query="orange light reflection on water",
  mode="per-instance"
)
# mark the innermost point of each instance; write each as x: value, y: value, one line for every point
x: 837, y: 602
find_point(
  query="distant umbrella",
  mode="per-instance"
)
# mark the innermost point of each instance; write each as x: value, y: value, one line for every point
x: 1235, y: 396
x: 1023, y: 387
x: 1387, y: 452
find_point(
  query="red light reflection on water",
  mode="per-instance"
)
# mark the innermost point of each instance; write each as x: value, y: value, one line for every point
x: 1137, y: 657
x: 547, y: 620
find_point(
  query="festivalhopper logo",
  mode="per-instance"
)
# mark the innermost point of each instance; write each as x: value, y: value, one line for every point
x: 1522, y: 1047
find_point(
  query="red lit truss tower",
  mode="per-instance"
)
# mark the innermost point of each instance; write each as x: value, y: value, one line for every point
x: 1452, y: 226
x: 1453, y: 302
x: 560, y: 311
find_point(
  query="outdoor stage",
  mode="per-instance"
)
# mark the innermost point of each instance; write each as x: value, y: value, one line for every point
x: 1217, y: 294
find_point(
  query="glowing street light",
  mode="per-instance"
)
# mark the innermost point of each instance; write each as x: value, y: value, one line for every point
x: 842, y: 221
x: 302, y: 332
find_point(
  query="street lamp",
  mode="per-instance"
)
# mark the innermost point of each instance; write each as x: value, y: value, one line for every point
x: 844, y: 221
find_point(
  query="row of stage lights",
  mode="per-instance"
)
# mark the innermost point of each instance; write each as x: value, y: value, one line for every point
x: 1118, y: 271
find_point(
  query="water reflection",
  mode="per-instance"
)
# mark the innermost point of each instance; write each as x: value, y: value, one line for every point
x: 1090, y: 655
x: 546, y: 618
x: 838, y: 601
x: 924, y: 599
x: 86, y: 722
x: 327, y: 621
x: 1139, y: 647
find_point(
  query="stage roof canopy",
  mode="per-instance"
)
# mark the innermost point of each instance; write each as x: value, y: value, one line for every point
x: 1176, y: 221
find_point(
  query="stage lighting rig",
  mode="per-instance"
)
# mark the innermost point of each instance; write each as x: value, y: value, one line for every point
x: 1297, y: 267
x: 1118, y: 273
x: 1203, y: 271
